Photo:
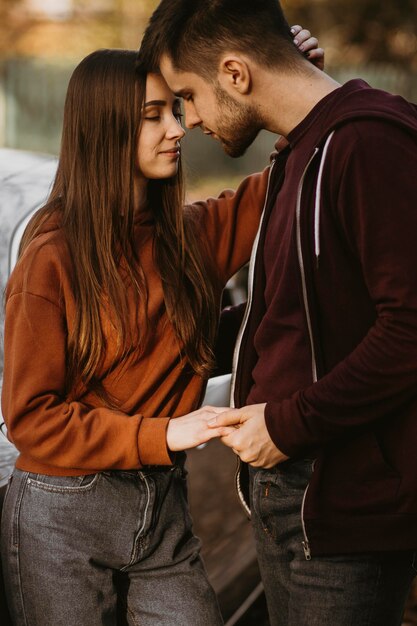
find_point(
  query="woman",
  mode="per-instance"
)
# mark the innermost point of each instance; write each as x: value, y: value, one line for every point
x: 111, y: 314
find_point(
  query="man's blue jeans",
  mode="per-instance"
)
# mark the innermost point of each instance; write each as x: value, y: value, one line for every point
x: 114, y: 547
x: 344, y: 590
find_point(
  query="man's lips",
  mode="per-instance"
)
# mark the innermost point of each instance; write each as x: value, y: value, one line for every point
x: 211, y: 134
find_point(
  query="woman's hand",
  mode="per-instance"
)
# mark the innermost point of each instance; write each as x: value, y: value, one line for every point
x: 308, y: 45
x: 191, y: 430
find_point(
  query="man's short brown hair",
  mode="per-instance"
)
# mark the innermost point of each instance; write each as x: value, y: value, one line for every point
x: 194, y: 33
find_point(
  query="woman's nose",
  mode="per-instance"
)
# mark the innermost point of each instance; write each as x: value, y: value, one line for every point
x: 175, y: 130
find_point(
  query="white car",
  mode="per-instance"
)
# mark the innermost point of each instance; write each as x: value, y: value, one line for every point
x: 25, y: 179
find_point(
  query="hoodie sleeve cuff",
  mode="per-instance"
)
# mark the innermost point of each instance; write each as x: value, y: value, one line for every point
x: 152, y: 441
x: 272, y: 421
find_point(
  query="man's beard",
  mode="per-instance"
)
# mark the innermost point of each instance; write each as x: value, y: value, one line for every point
x: 239, y: 124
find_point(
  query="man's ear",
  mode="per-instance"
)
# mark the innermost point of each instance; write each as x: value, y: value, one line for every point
x: 235, y: 74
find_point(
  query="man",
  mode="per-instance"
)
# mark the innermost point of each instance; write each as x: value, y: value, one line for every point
x: 327, y: 355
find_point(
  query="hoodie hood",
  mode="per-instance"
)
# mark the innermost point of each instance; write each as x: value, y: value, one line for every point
x: 357, y: 100
x: 353, y: 101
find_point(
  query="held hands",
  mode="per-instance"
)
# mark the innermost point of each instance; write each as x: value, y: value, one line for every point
x: 244, y: 430
x: 249, y: 437
x: 193, y: 429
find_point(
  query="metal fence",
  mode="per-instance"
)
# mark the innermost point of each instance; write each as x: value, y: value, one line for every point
x: 383, y: 76
x: 32, y: 95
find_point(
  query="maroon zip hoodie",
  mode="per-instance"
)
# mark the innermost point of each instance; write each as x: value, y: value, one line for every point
x: 356, y: 283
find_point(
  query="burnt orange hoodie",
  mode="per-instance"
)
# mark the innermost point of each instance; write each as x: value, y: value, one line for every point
x: 60, y: 434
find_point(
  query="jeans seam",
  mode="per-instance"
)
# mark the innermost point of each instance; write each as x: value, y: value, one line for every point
x: 137, y: 544
x: 132, y: 616
x: 16, y: 517
x: 16, y: 514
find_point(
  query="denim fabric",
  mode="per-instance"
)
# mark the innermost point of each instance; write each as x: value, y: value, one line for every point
x: 104, y: 549
x: 343, y: 590
x: 4, y: 612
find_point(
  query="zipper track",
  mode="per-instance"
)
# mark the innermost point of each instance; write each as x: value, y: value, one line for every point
x: 250, y: 295
x: 241, y: 333
x: 239, y: 489
x: 305, y: 543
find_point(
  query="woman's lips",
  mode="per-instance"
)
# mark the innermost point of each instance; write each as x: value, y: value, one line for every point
x: 174, y: 152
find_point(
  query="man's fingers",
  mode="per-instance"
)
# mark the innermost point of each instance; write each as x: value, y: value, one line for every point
x: 220, y: 432
x: 228, y: 441
x: 227, y: 418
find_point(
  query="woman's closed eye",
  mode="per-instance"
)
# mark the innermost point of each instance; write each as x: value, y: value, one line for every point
x: 152, y: 114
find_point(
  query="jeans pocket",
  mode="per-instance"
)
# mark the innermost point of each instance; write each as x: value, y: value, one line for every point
x: 277, y: 498
x: 262, y: 501
x: 63, y: 484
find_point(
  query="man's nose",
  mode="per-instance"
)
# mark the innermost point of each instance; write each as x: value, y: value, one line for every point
x: 192, y: 119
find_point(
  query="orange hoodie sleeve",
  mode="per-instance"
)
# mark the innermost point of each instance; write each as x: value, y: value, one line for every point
x: 230, y: 222
x: 49, y: 431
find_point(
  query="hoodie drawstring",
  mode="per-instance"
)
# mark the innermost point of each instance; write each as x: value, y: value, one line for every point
x: 318, y: 198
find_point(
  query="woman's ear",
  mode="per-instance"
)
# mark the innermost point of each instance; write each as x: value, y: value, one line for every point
x: 235, y: 74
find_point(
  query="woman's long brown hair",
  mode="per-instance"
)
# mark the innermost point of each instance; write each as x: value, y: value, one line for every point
x: 93, y: 196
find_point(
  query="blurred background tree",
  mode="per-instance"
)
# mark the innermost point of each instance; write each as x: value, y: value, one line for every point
x: 42, y: 40
x: 70, y: 28
x: 361, y: 31
x: 353, y: 31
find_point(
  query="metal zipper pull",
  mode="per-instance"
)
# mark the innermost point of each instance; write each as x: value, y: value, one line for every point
x: 306, y: 548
